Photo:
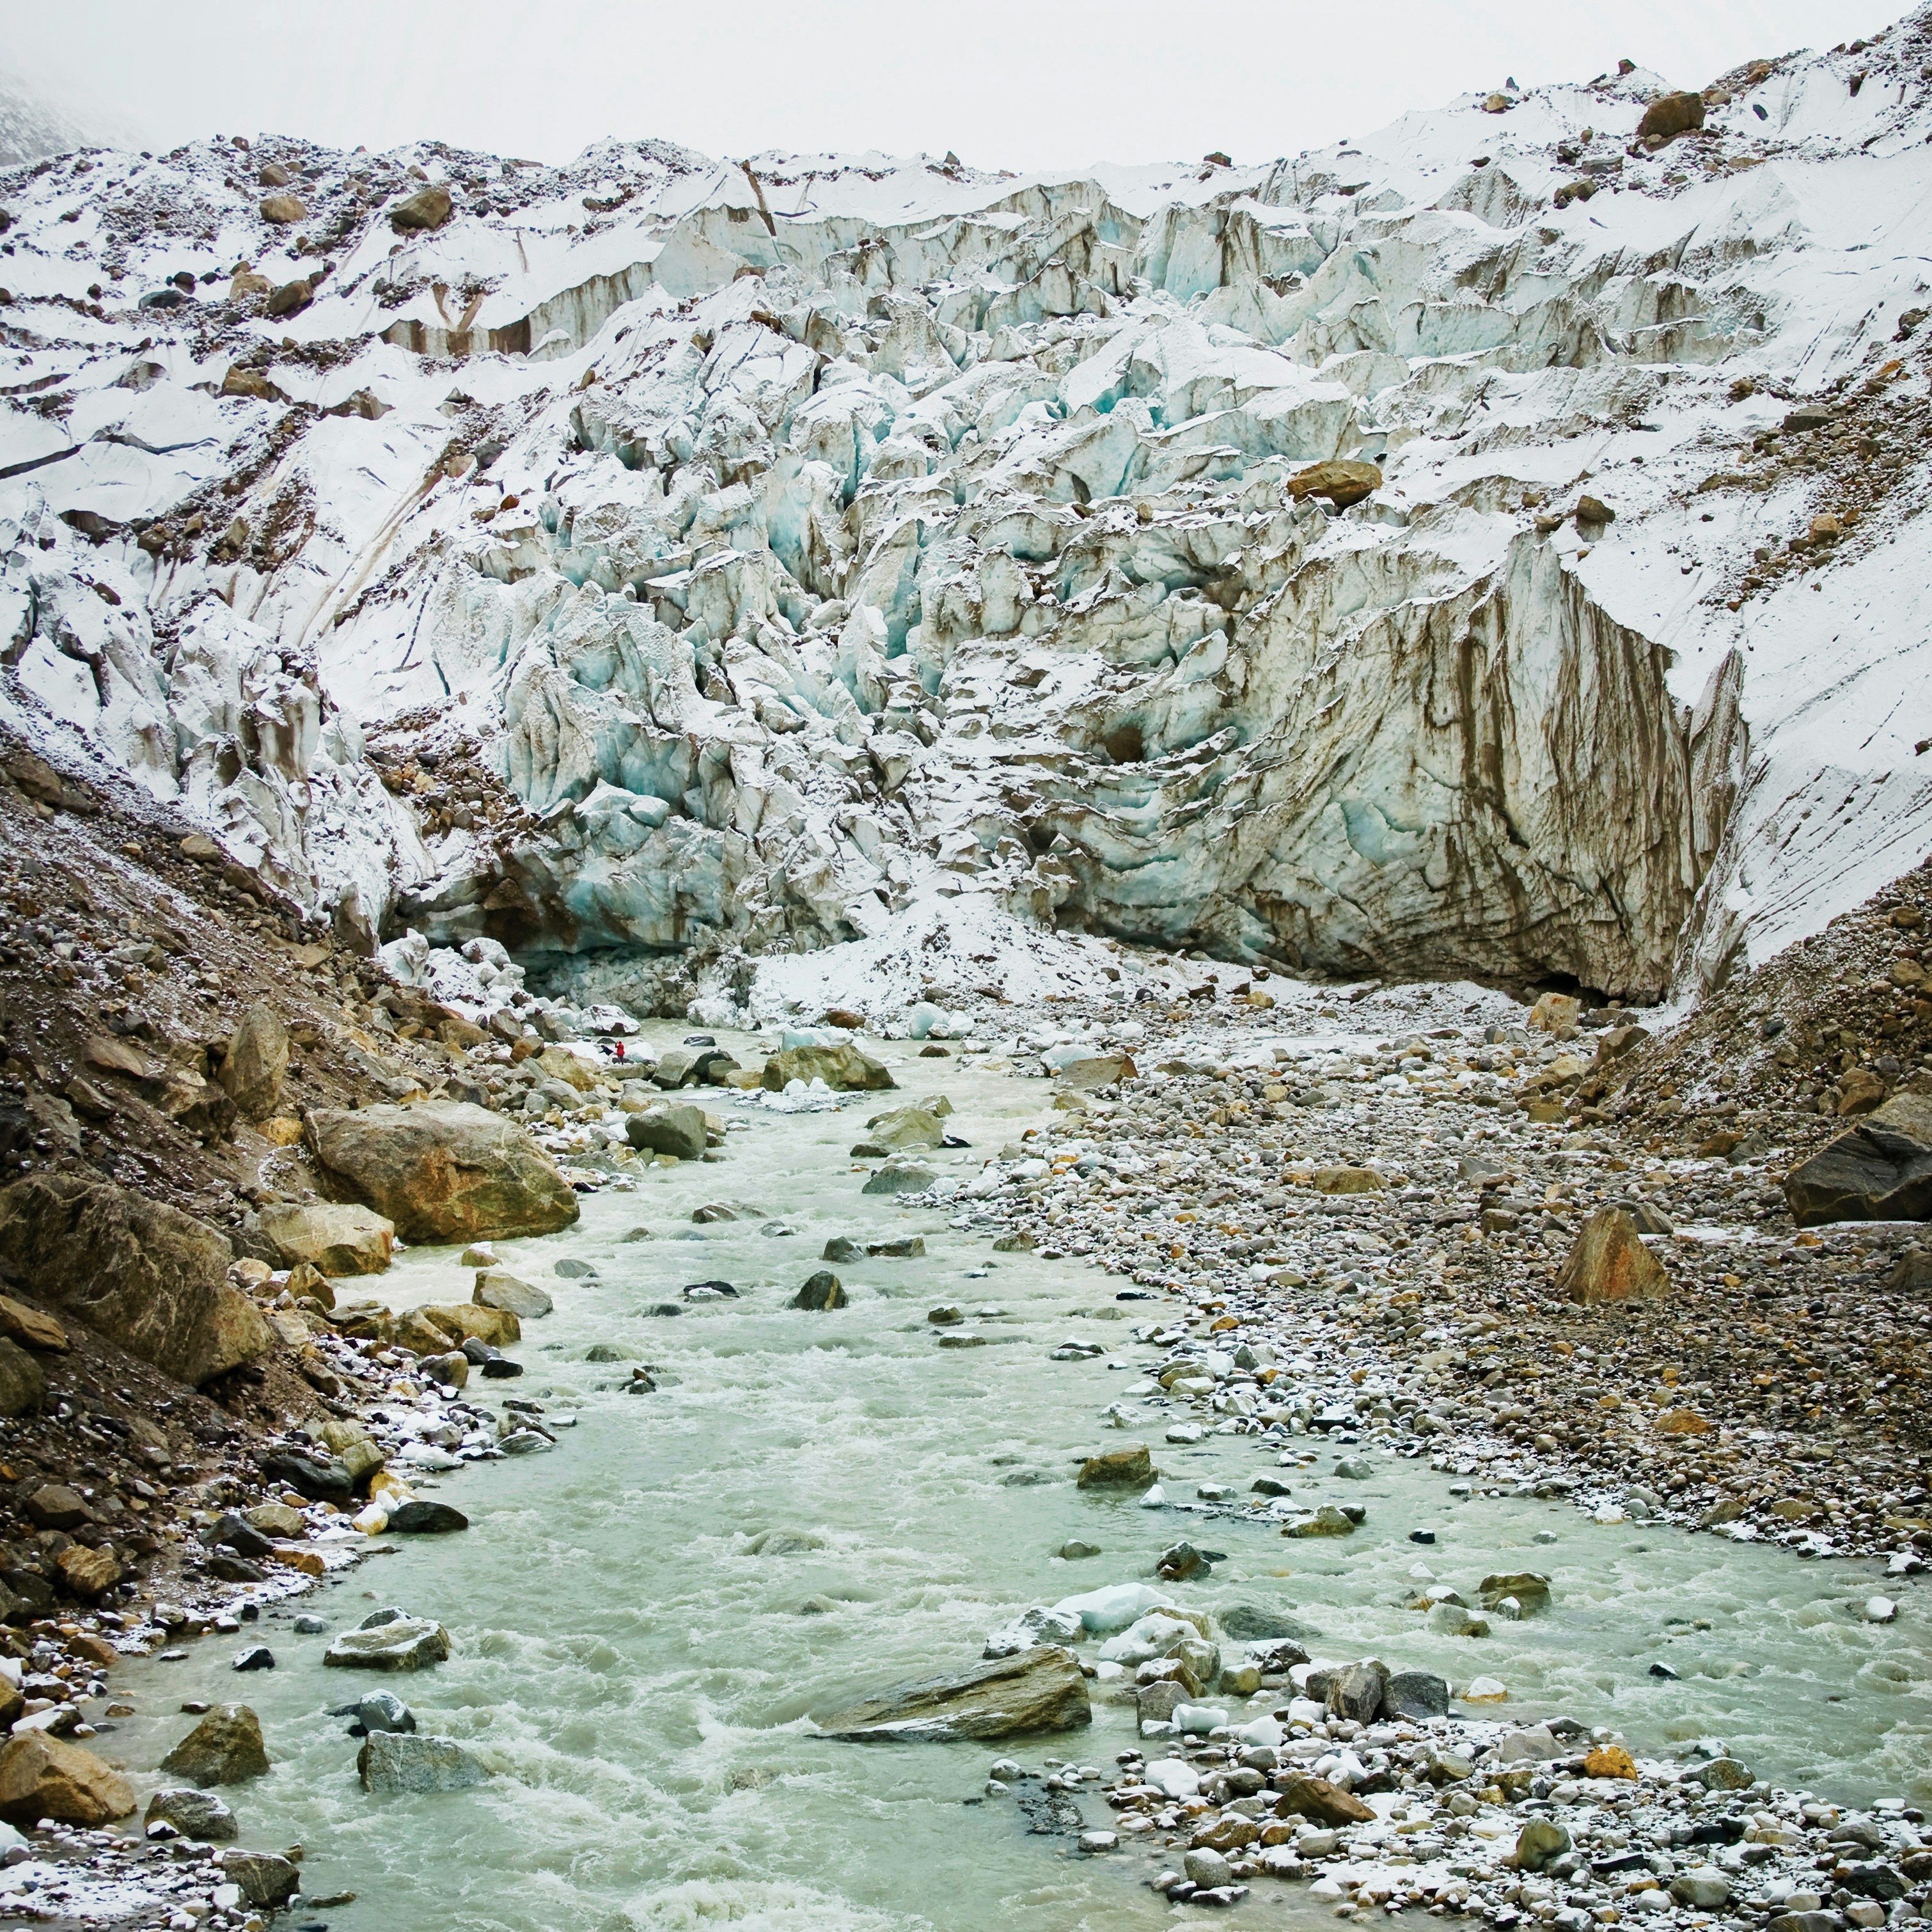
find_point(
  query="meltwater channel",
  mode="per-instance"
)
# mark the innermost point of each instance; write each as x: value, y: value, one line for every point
x: 639, y: 1679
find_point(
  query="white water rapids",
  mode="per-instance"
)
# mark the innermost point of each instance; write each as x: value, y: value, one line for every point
x: 638, y: 1681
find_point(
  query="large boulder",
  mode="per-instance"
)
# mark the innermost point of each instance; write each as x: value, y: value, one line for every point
x: 677, y: 1130
x: 333, y: 1236
x: 150, y: 1277
x: 1356, y: 1691
x: 823, y: 1291
x: 1880, y: 1170
x: 843, y: 1067
x: 1670, y: 115
x: 1322, y: 1803
x: 899, y: 1177
x: 409, y: 1761
x: 429, y: 207
x: 257, y: 1061
x: 403, y: 1643
x: 42, y: 1776
x: 225, y: 1747
x: 1610, y: 1262
x: 1343, y: 480
x: 444, y: 1172
x: 1040, y: 1690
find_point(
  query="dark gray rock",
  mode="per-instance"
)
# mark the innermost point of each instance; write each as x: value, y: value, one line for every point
x: 1416, y: 1694
x: 823, y: 1291
x: 1880, y: 1170
x: 426, y: 1518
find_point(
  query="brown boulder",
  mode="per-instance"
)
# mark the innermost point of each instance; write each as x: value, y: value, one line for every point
x: 291, y: 298
x: 88, y: 1573
x: 225, y: 1747
x: 1881, y: 1170
x: 843, y: 1067
x: 251, y: 383
x: 1341, y: 480
x: 1670, y: 115
x: 428, y: 209
x: 257, y: 1061
x: 1130, y: 1467
x: 45, y: 1777
x: 153, y: 1279
x: 30, y: 1328
x: 1326, y: 1804
x: 281, y: 209
x: 1610, y: 1263
x: 444, y: 1171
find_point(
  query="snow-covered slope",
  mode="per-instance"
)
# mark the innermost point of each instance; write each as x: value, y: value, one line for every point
x: 661, y: 562
x: 31, y: 125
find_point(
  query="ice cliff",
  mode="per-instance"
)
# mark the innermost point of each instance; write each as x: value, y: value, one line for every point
x: 1494, y: 547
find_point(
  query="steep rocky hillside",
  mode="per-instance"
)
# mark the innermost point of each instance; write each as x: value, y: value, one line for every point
x: 1490, y: 548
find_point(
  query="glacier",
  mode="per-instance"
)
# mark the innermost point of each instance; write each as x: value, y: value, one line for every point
x: 1491, y: 549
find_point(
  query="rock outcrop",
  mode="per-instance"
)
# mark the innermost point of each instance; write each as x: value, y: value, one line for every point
x: 1040, y: 1689
x: 443, y: 1171
x: 150, y: 1277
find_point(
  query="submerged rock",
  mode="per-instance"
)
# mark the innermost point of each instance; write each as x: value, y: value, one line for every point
x: 675, y: 1130
x: 1041, y: 1689
x: 1129, y: 1467
x: 496, y: 1288
x: 398, y: 1761
x: 267, y: 1881
x: 899, y: 1177
x: 844, y: 1068
x: 823, y: 1291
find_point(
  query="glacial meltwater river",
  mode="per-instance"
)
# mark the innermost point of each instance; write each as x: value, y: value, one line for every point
x: 638, y: 1680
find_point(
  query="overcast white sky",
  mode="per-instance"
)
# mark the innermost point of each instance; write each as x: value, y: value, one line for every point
x: 1021, y: 84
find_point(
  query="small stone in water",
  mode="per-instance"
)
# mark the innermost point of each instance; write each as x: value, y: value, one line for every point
x: 257, y: 1657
